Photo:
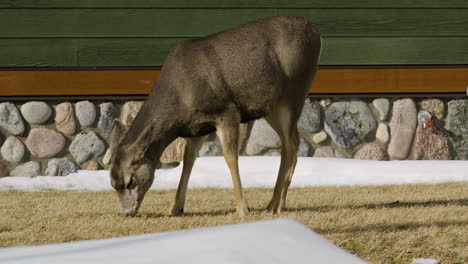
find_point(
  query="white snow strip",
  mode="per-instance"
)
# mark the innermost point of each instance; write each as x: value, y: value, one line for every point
x: 262, y: 171
x: 277, y: 241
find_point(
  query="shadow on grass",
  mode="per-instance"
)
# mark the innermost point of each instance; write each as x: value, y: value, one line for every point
x: 396, y: 204
x: 391, y: 228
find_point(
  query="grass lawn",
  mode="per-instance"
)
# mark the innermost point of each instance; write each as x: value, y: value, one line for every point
x: 382, y: 224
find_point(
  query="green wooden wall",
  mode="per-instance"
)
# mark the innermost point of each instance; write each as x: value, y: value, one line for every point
x: 107, y: 33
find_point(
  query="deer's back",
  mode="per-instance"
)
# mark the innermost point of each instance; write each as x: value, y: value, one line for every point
x: 251, y: 66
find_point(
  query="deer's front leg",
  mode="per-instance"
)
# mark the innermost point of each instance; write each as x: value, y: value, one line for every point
x: 228, y: 134
x: 192, y: 147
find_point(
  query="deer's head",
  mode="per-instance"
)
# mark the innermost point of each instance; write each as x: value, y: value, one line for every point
x: 131, y: 172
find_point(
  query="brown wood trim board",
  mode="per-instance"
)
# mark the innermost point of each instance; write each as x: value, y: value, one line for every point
x: 139, y: 81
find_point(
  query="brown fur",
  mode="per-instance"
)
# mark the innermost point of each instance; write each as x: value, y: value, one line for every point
x: 260, y: 69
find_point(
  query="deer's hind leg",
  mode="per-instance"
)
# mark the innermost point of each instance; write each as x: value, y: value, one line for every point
x: 283, y: 120
x: 227, y: 129
x: 192, y: 147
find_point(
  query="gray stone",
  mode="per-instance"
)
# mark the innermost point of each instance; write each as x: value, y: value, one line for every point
x: 60, y: 167
x: 262, y: 138
x: 324, y: 152
x: 12, y: 150
x: 383, y: 106
x: 320, y: 137
x: 349, y: 123
x: 108, y: 113
x: 85, y: 112
x: 85, y: 146
x: 339, y: 155
x: 130, y: 111
x: 457, y: 123
x: 10, y: 119
x: 310, y: 119
x: 65, y: 119
x: 457, y: 117
x: 370, y: 151
x: 28, y: 169
x: 434, y: 106
x: 210, y: 148
x: 44, y: 143
x: 423, y: 115
x: 3, y: 171
x: 36, y: 112
x: 382, y: 133
x: 304, y: 148
x: 402, y: 128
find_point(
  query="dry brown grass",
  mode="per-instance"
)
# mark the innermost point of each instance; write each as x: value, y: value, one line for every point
x: 386, y: 224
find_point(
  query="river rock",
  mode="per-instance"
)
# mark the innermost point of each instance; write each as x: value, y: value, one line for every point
x: 304, y: 148
x: 383, y: 106
x: 325, y: 102
x: 108, y: 113
x: 382, y: 133
x: 349, y: 123
x: 310, y: 119
x: 130, y: 111
x: 85, y: 146
x: 36, y: 112
x: 44, y: 142
x: 457, y: 117
x: 174, y: 152
x: 93, y: 165
x: 85, y: 112
x: 320, y: 137
x: 107, y: 157
x: 423, y: 115
x: 10, y: 119
x: 210, y: 148
x: 65, y: 119
x: 3, y: 170
x: 434, y: 106
x: 402, y: 128
x: 12, y: 150
x: 431, y: 144
x: 262, y: 138
x: 60, y: 167
x: 457, y: 123
x: 370, y: 151
x: 324, y: 152
x: 28, y: 169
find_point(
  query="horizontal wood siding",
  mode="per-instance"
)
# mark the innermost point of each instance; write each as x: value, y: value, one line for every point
x: 122, y: 52
x: 329, y: 81
x: 35, y: 4
x: 170, y: 23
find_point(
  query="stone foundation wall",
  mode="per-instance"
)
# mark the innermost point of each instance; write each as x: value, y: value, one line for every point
x: 57, y: 138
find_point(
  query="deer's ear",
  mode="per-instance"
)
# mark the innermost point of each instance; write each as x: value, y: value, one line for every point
x: 142, y: 144
x: 117, y: 134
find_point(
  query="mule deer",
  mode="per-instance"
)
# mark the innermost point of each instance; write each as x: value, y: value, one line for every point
x: 260, y: 69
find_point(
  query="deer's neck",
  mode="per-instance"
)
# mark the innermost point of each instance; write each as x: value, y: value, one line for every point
x: 162, y: 129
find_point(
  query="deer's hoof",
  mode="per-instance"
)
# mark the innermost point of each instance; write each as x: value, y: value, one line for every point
x: 242, y: 211
x: 176, y: 211
x: 275, y: 207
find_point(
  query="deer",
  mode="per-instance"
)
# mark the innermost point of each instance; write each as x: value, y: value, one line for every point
x: 261, y: 69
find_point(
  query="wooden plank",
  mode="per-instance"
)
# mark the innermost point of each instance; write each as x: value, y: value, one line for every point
x: 201, y: 22
x: 123, y: 52
x: 232, y: 4
x: 136, y: 82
